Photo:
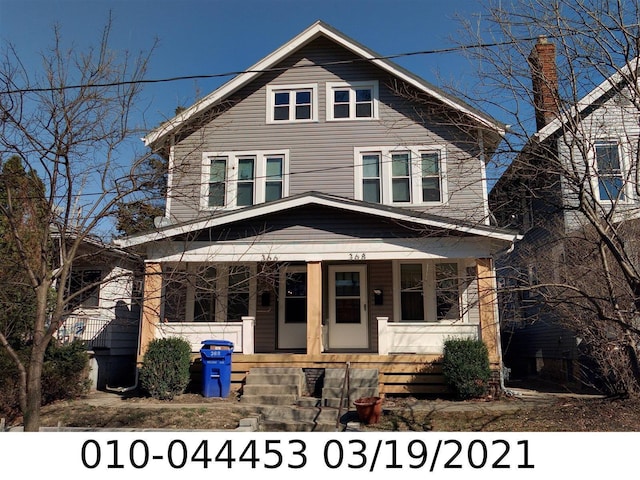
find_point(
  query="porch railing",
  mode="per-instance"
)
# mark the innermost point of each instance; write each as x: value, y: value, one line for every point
x: 239, y: 333
x: 420, y: 337
x: 91, y: 330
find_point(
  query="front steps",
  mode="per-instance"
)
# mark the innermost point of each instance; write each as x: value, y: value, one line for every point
x: 281, y: 397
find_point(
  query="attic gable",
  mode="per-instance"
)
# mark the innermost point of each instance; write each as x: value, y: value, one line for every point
x: 315, y: 31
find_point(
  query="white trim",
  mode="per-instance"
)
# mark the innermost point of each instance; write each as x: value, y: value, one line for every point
x: 231, y: 179
x: 170, y: 167
x: 309, y: 251
x: 289, y: 203
x: 386, y: 177
x: 352, y: 87
x: 291, y: 88
x: 626, y: 188
x: 314, y: 31
x: 483, y: 176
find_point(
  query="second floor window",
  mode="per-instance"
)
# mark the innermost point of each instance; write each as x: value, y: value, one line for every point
x: 292, y: 103
x: 240, y: 179
x: 610, y: 172
x: 352, y: 101
x: 400, y: 176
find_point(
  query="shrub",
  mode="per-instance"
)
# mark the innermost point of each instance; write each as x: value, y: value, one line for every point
x: 165, y: 368
x: 465, y: 367
x: 65, y: 373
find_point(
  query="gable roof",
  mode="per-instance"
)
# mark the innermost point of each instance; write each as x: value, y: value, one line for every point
x: 318, y: 29
x: 619, y: 77
x: 320, y: 199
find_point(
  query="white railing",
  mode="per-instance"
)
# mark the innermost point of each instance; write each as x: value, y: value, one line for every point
x: 241, y: 334
x: 420, y: 337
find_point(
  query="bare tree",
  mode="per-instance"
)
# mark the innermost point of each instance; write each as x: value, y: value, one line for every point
x: 572, y: 181
x: 69, y: 124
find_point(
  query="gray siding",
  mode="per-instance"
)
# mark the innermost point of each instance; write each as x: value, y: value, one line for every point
x: 615, y: 119
x: 322, y: 153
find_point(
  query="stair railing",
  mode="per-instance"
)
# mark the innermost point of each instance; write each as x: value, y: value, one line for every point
x: 345, y: 385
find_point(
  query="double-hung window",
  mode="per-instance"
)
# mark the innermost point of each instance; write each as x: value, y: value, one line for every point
x: 240, y: 179
x: 427, y: 291
x: 352, y: 101
x: 611, y: 184
x: 390, y: 175
x: 216, y: 293
x: 292, y: 103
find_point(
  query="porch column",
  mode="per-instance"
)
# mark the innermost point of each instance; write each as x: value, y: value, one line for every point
x: 314, y: 308
x: 487, y: 302
x: 151, y: 304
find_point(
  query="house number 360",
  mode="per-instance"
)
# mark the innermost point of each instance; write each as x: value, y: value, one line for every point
x: 357, y: 256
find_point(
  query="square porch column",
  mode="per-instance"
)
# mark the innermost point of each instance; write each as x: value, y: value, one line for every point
x: 487, y: 305
x: 314, y: 308
x: 151, y: 304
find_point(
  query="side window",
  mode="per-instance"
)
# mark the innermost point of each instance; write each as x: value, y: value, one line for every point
x: 610, y: 174
x: 85, y: 285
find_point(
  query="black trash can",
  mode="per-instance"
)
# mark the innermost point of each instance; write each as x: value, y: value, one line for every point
x: 216, y: 367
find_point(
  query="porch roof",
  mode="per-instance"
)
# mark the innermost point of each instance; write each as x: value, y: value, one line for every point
x: 397, y: 214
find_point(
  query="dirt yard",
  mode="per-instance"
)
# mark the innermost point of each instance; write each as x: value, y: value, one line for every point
x: 192, y: 411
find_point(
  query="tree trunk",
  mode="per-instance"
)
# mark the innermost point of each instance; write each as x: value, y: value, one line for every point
x: 34, y: 389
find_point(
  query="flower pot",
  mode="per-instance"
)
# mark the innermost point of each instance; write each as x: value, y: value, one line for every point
x: 369, y: 409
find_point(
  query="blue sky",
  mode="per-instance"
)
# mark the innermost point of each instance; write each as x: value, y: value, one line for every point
x: 198, y: 37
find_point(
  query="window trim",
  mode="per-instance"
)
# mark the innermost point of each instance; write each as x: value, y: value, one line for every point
x: 429, y: 291
x: 386, y: 178
x: 352, y: 86
x: 231, y: 179
x: 622, y: 159
x: 222, y: 289
x: 291, y: 88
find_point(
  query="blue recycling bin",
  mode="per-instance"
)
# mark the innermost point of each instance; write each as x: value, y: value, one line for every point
x: 216, y: 367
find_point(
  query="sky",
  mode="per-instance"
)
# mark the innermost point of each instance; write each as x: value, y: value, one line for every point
x: 198, y: 37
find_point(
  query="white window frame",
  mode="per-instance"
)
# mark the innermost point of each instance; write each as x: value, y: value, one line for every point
x: 415, y: 158
x: 429, y: 291
x: 291, y: 89
x: 352, y: 87
x: 221, y: 286
x: 627, y: 190
x: 260, y: 176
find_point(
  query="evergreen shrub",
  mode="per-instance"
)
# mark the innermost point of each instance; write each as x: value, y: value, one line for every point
x: 165, y: 369
x: 465, y: 366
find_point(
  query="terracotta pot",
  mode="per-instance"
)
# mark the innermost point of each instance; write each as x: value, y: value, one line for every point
x: 369, y: 409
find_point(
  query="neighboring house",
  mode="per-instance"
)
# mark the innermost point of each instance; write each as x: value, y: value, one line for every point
x: 326, y: 207
x: 105, y: 314
x: 589, y: 152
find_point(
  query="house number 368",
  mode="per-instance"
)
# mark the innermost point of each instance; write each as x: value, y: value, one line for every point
x: 357, y: 256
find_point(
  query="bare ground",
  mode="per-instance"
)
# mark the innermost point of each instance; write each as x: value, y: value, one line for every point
x: 529, y: 413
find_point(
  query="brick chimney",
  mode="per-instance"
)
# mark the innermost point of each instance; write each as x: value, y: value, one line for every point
x: 542, y: 62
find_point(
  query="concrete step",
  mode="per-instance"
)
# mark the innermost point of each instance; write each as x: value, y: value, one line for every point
x: 353, y: 393
x: 268, y: 399
x: 260, y: 378
x: 270, y: 389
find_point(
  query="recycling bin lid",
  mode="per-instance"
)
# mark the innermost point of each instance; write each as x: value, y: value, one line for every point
x: 218, y: 343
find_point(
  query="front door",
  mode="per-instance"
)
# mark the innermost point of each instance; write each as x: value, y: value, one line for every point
x: 292, y: 308
x: 348, y: 322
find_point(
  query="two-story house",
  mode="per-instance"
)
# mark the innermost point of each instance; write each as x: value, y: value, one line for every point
x: 326, y: 206
x: 575, y: 180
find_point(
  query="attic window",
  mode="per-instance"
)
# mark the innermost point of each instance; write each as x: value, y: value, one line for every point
x: 292, y: 103
x: 352, y: 101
